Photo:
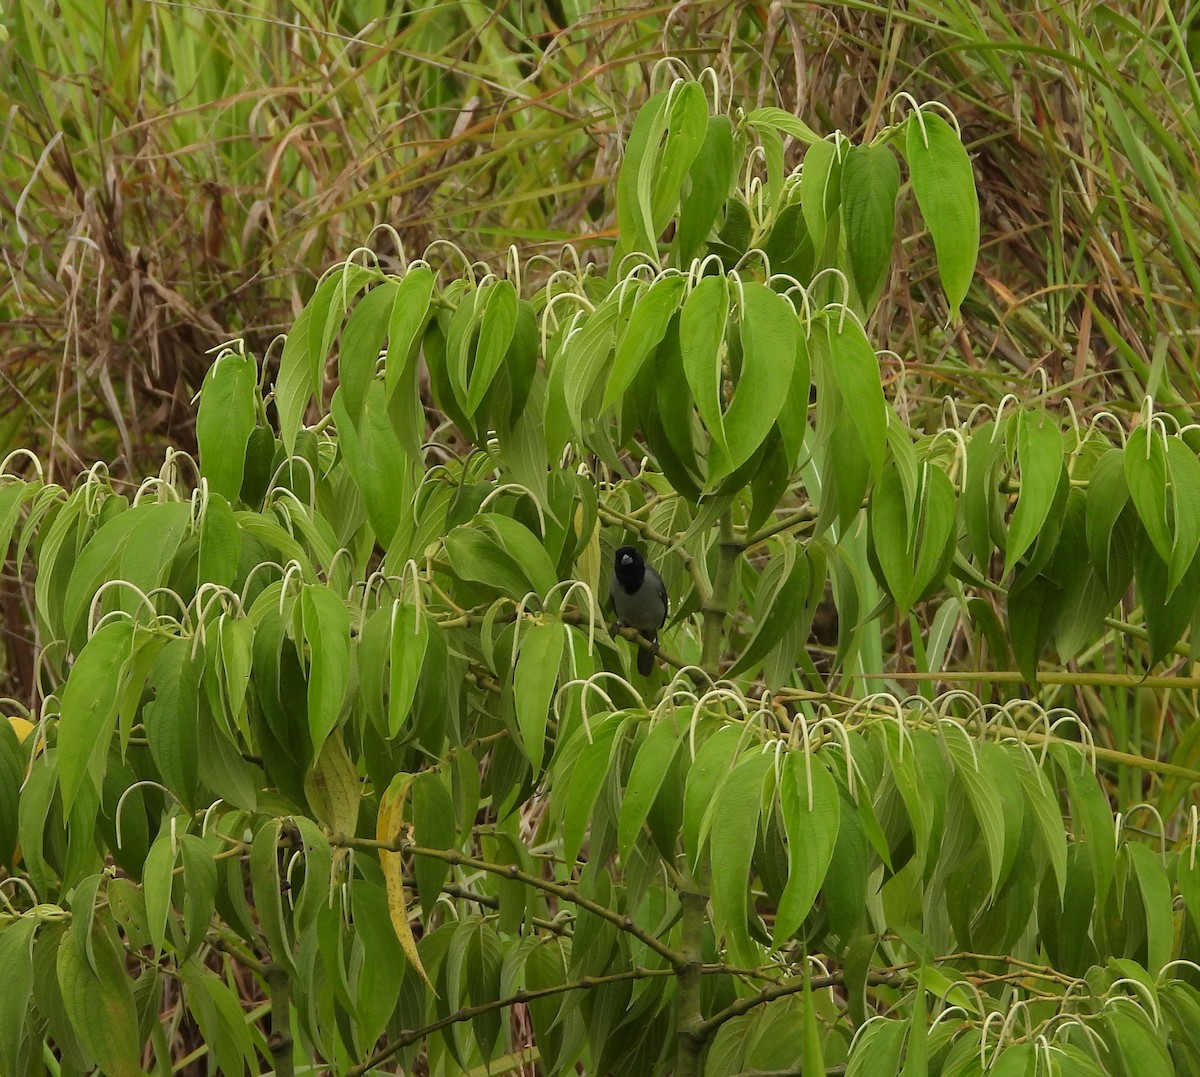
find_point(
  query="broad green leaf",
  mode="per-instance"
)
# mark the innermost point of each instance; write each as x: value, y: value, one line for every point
x: 89, y: 709
x: 1184, y: 471
x: 224, y: 421
x: 406, y: 327
x: 533, y: 686
x: 784, y: 602
x: 171, y: 719
x: 856, y: 371
x: 702, y: 325
x: 652, y: 312
x: 527, y: 551
x: 781, y: 120
x: 1146, y: 473
x: 650, y: 768
x: 584, y: 782
x: 870, y: 183
x: 811, y: 816
x: 267, y: 888
x: 769, y: 332
x: 994, y: 792
x: 712, y: 761
x: 376, y: 460
x: 496, y: 330
x: 687, y: 127
x: 433, y: 827
x: 16, y: 987
x: 736, y: 810
x: 1107, y: 496
x: 220, y: 543
x: 1136, y: 1042
x: 362, y: 341
x: 709, y: 179
x: 100, y: 1004
x: 326, y: 625
x: 409, y: 641
x: 635, y: 214
x: 819, y: 180
x: 199, y: 890
x: 1042, y: 802
x: 1040, y: 458
x: 944, y: 185
x: 1155, y: 890
x: 157, y: 881
x: 302, y: 361
x: 892, y: 518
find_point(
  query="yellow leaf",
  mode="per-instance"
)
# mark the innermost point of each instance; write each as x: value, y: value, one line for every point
x: 22, y: 727
x: 388, y: 826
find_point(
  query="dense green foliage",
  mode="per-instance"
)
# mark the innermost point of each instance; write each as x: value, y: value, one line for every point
x: 339, y: 711
x: 325, y: 754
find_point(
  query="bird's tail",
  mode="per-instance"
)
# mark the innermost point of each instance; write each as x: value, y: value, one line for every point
x: 645, y: 660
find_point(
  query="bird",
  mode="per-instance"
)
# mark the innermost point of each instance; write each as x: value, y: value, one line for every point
x: 639, y: 598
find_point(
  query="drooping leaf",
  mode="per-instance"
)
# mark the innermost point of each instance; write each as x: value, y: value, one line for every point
x: 944, y: 185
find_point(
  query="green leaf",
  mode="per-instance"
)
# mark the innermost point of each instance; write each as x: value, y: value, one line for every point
x: 326, y: 627
x: 1107, y: 496
x: 870, y: 183
x: 433, y: 828
x: 224, y: 421
x: 533, y: 686
x: 820, y: 187
x: 652, y: 312
x: 409, y: 641
x: 266, y: 886
x: 199, y: 891
x: 702, y: 324
x: 406, y: 327
x: 811, y: 816
x: 1146, y: 474
x: 100, y: 1004
x: 376, y: 460
x: 712, y: 762
x: 496, y: 330
x: 780, y: 120
x: 220, y: 543
x: 583, y: 359
x: 362, y: 341
x: 944, y: 185
x: 299, y: 372
x: 784, y: 601
x: 769, y: 331
x: 157, y: 881
x: 1184, y: 471
x: 584, y: 781
x: 709, y: 180
x: 650, y: 769
x: 735, y: 811
x: 994, y: 792
x: 16, y: 988
x: 1040, y: 457
x: 1155, y: 890
x: 89, y: 709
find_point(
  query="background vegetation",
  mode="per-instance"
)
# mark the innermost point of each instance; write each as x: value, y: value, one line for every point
x: 172, y: 177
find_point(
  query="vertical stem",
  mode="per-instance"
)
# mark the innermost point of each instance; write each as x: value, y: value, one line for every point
x: 280, y: 1039
x: 717, y: 605
x: 689, y: 1014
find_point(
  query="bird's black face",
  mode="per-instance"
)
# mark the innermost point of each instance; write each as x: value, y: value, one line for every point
x: 629, y: 568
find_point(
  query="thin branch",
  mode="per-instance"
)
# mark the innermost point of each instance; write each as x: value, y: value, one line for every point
x: 411, y: 1036
x: 511, y: 871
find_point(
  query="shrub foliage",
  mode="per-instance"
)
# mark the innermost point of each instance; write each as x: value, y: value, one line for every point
x: 337, y: 750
